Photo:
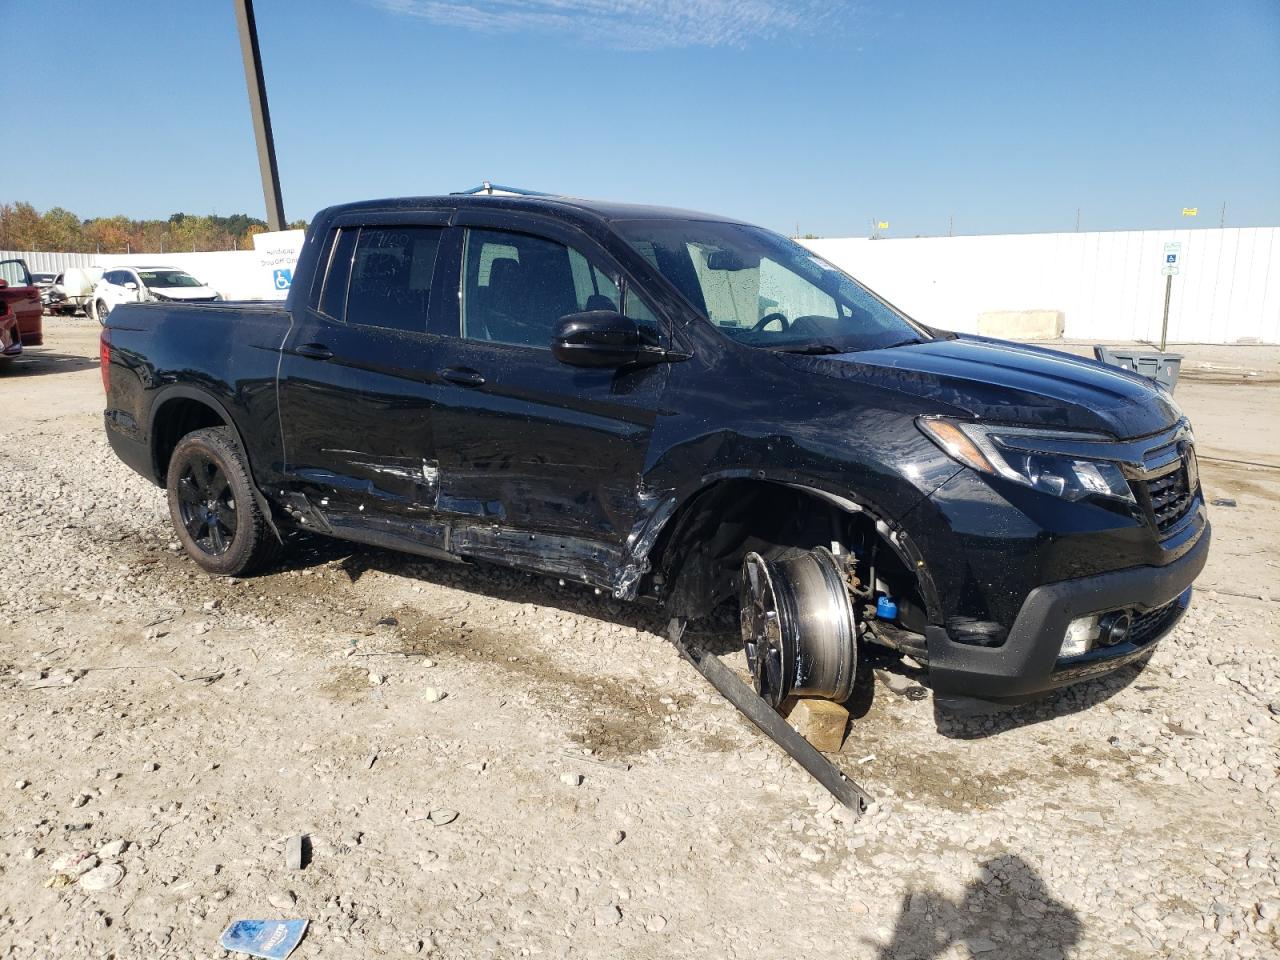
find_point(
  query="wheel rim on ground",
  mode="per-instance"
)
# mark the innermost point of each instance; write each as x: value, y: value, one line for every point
x: 798, y: 627
x: 207, y: 505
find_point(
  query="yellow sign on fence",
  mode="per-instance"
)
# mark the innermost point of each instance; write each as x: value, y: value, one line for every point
x: 1190, y: 211
x: 882, y: 225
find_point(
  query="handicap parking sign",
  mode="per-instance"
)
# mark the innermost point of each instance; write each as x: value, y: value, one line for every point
x: 283, y: 278
x: 1168, y: 258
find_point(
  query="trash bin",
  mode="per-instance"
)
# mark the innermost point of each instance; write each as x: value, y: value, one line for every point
x: 1160, y: 367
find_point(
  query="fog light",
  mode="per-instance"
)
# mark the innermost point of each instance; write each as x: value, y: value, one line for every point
x: 1113, y: 628
x: 1079, y: 637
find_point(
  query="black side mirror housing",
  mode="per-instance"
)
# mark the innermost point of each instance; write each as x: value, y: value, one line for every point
x: 600, y: 338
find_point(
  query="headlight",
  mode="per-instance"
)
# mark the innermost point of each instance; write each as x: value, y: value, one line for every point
x: 1012, y: 452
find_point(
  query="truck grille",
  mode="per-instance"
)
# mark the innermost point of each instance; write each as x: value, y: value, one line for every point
x: 1166, y: 482
x: 1147, y: 626
x: 1169, y: 498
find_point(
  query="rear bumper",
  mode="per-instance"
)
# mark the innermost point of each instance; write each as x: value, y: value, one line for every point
x: 1027, y: 663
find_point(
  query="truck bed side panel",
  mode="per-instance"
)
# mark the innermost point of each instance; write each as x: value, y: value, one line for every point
x: 228, y: 353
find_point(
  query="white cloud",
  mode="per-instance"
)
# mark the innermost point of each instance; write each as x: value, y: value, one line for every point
x: 631, y: 24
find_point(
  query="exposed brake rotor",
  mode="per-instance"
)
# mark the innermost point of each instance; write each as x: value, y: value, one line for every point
x: 798, y: 627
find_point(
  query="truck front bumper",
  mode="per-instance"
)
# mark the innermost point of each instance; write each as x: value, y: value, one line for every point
x: 1028, y: 663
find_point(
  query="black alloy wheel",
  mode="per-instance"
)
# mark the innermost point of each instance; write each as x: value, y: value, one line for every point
x: 207, y: 505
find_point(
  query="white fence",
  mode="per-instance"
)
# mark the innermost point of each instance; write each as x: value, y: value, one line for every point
x: 40, y: 261
x: 1108, y: 285
x: 236, y: 274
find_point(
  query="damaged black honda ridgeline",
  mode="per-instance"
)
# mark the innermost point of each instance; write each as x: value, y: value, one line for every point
x: 676, y: 407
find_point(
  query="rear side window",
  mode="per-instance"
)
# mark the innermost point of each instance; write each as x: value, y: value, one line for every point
x: 391, y: 271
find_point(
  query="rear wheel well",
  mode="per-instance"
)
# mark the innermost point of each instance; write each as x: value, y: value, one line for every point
x: 698, y: 560
x: 174, y: 420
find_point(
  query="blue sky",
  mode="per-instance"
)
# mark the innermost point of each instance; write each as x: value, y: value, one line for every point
x: 1005, y: 116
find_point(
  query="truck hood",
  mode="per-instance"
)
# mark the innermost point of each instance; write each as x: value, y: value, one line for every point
x: 1008, y: 383
x: 184, y: 293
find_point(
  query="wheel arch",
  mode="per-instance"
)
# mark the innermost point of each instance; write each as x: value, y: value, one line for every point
x: 692, y: 591
x: 180, y: 409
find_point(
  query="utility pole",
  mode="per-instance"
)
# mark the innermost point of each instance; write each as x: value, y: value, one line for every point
x: 261, y: 115
x: 1164, y: 324
x: 1077, y: 219
x: 951, y: 225
x: 1222, y: 221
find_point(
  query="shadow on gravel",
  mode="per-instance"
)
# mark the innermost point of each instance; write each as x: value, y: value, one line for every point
x: 36, y: 361
x: 960, y: 718
x: 488, y: 580
x: 1012, y: 916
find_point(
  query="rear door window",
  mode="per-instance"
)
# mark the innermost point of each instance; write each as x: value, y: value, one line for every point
x: 390, y: 276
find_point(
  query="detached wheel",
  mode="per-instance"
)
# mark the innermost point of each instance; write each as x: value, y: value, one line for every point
x: 798, y: 627
x: 212, y: 505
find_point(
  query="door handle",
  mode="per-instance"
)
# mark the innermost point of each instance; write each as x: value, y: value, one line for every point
x: 463, y: 376
x: 315, y: 351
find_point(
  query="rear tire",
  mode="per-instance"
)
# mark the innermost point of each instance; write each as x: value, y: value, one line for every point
x: 100, y: 310
x: 213, y: 506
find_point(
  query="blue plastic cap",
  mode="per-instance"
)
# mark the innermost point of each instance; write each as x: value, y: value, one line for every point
x: 886, y: 609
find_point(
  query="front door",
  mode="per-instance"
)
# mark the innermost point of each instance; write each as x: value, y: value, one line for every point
x: 542, y: 458
x: 355, y: 377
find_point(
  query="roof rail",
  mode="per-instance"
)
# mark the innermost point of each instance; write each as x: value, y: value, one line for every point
x: 496, y: 189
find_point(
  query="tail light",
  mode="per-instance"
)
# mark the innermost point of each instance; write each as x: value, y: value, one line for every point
x: 104, y: 357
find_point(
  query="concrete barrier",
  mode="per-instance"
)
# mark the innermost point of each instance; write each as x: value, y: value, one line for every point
x: 1022, y: 324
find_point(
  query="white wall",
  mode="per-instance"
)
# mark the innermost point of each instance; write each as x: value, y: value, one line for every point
x: 1108, y: 285
x: 236, y: 274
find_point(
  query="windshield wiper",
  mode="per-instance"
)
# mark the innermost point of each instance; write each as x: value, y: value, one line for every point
x: 901, y: 343
x: 812, y: 348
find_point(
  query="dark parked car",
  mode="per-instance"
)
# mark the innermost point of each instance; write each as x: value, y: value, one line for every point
x: 676, y: 407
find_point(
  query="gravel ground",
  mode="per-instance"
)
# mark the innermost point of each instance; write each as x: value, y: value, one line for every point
x: 488, y: 765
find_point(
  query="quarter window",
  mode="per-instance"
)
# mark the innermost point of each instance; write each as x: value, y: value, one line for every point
x: 333, y: 299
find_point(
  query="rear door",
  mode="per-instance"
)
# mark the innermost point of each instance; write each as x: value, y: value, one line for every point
x: 355, y: 378
x: 528, y: 445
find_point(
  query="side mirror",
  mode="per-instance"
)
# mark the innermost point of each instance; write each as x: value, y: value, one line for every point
x: 130, y: 285
x: 600, y: 338
x: 3, y: 283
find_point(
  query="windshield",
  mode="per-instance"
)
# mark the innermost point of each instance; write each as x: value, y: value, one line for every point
x: 168, y: 278
x: 764, y: 290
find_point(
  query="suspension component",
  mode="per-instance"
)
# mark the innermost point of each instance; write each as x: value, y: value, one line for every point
x: 798, y: 626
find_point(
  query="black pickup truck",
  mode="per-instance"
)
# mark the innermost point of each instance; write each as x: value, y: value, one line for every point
x: 677, y: 407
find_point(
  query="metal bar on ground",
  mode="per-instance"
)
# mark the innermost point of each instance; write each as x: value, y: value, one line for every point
x: 772, y: 725
x: 261, y: 115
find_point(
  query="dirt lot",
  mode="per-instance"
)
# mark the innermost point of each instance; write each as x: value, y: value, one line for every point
x: 578, y: 790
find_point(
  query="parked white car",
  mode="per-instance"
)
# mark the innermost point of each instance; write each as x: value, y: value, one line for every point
x: 141, y: 284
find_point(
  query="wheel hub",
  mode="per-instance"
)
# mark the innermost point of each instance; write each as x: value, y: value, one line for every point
x: 798, y: 628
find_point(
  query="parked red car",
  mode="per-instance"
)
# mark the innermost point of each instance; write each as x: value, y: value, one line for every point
x: 10, y: 340
x: 22, y: 298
